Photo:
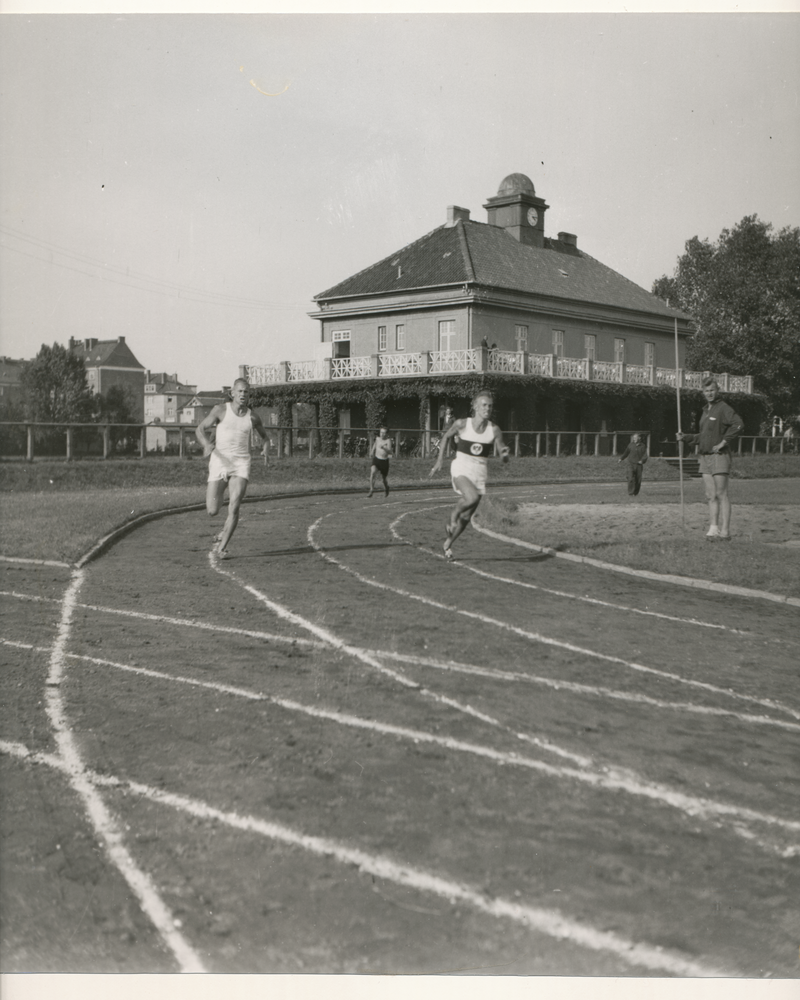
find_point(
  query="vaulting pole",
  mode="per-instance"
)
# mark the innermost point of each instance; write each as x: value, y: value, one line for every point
x: 678, y: 400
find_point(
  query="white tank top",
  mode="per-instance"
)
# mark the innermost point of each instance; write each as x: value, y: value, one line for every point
x: 233, y: 434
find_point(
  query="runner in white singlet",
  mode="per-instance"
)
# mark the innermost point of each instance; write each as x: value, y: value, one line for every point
x: 229, y: 456
x: 475, y: 438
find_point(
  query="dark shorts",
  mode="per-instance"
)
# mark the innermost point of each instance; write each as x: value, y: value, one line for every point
x: 382, y: 465
x: 718, y: 464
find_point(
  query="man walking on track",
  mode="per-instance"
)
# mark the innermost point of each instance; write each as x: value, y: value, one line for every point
x: 719, y: 427
x: 381, y: 450
x: 636, y: 455
x: 229, y: 456
x: 475, y: 439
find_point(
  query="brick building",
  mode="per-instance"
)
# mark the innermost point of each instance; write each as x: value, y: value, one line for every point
x: 112, y: 363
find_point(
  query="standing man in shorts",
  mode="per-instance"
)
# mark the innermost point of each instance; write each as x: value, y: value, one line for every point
x: 381, y: 450
x: 719, y: 427
x: 476, y: 438
x: 229, y: 456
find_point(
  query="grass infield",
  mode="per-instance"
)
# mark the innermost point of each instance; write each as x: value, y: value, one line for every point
x: 58, y: 510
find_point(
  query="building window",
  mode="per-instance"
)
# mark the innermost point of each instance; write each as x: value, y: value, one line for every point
x: 558, y: 343
x: 619, y: 349
x: 150, y: 387
x: 447, y: 334
x: 649, y: 354
x: 521, y: 337
x: 400, y: 336
x: 340, y: 335
x: 382, y: 338
x: 590, y: 346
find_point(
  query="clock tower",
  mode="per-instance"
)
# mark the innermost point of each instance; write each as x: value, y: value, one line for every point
x: 516, y: 209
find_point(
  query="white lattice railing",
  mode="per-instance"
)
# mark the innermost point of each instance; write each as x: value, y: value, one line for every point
x: 637, y: 374
x: 572, y: 368
x: 693, y: 380
x: 607, y: 371
x: 512, y: 362
x: 400, y: 364
x: 738, y: 383
x: 263, y: 374
x: 665, y: 376
x: 351, y: 367
x: 540, y: 364
x: 305, y: 371
x: 455, y: 361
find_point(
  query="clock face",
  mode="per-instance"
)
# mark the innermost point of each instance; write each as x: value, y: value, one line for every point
x: 533, y: 216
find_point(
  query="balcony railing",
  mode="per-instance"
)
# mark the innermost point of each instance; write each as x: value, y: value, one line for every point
x: 480, y: 359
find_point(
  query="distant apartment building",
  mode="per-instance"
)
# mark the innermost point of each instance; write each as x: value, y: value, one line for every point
x: 112, y: 363
x: 10, y: 389
x: 200, y: 405
x: 164, y: 397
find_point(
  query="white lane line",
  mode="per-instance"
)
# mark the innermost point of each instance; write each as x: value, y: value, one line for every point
x: 452, y: 666
x: 560, y: 593
x: 608, y: 778
x: 590, y: 689
x: 101, y: 819
x: 536, y: 636
x: 545, y: 921
x: 166, y: 620
x: 356, y: 651
x: 35, y: 562
x: 645, y: 574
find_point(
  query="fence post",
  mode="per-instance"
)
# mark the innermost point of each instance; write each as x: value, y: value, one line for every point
x: 106, y: 440
x: 398, y: 444
x: 29, y: 455
x: 754, y: 443
x: 180, y: 443
x: 69, y: 444
x: 597, y: 443
x: 516, y: 445
x: 341, y: 443
x: 614, y: 443
x: 578, y: 444
x: 426, y: 447
x: 740, y: 445
x: 142, y: 442
x: 558, y: 444
x: 538, y: 444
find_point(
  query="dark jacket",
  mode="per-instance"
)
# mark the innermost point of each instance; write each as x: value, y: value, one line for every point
x: 635, y: 454
x: 718, y: 422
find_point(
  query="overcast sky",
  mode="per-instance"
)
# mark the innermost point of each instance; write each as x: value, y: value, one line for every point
x: 191, y: 181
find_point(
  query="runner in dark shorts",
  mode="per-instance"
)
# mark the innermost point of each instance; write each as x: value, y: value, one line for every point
x: 380, y: 451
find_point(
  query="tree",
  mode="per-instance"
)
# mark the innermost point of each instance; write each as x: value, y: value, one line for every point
x: 54, y: 387
x: 115, y: 406
x: 744, y: 295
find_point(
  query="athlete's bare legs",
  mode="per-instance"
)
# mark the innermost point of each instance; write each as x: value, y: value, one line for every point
x: 237, y: 487
x: 462, y: 512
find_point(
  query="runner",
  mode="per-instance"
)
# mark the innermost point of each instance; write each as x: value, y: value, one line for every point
x: 475, y: 438
x: 380, y: 451
x: 229, y: 457
x: 719, y: 426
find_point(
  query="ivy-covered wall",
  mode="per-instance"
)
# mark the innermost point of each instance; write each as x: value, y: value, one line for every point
x: 529, y: 402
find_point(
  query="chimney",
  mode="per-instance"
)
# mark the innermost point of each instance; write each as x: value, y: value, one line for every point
x: 569, y: 238
x: 456, y: 214
x: 120, y: 340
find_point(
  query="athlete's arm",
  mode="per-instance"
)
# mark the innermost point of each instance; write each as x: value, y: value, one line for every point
x: 452, y: 430
x: 505, y: 451
x: 206, y: 424
x: 258, y: 427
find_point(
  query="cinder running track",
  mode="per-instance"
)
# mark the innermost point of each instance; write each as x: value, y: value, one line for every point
x: 338, y: 753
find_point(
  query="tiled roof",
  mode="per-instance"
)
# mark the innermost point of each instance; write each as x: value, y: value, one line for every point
x: 106, y: 353
x: 476, y: 252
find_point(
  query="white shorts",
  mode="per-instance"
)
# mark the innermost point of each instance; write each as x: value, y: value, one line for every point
x: 220, y: 467
x: 474, y: 469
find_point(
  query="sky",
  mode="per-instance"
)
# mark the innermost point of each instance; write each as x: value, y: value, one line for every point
x: 191, y: 181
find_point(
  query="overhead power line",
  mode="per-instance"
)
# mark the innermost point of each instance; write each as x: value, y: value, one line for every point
x: 115, y: 274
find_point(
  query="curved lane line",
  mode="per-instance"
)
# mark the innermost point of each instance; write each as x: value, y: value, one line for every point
x: 536, y: 636
x: 645, y: 574
x: 35, y: 562
x: 101, y: 819
x: 545, y: 921
x: 559, y: 593
x: 608, y: 778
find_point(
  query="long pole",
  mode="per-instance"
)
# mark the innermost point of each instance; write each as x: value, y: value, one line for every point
x: 678, y: 400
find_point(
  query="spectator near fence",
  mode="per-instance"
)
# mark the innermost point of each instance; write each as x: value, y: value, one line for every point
x: 635, y: 455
